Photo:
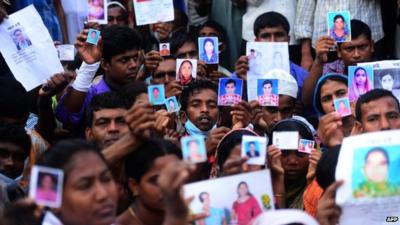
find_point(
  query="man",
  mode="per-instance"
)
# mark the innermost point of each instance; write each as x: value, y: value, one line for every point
x: 376, y: 170
x: 105, y: 122
x: 164, y: 50
x: 200, y: 112
x: 267, y: 98
x: 271, y: 27
x: 20, y: 40
x: 117, y: 14
x: 359, y: 49
x: 252, y: 151
x: 230, y: 97
x: 120, y: 61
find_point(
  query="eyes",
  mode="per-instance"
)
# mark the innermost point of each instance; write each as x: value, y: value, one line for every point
x: 86, y: 183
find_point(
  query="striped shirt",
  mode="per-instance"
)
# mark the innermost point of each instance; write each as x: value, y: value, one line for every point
x: 311, y: 16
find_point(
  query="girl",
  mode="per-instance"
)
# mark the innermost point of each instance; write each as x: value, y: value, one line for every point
x: 209, y: 56
x: 246, y: 207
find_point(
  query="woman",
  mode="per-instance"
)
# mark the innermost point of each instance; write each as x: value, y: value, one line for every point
x: 360, y: 85
x: 47, y: 187
x: 144, y: 168
x: 185, y: 72
x: 246, y: 207
x: 209, y: 56
x: 339, y: 31
x: 290, y: 169
x: 96, y: 10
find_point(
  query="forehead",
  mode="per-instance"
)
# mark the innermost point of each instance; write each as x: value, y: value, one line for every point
x: 360, y: 40
x: 115, y: 10
x: 161, y: 162
x: 128, y: 53
x: 203, y: 94
x: 167, y: 65
x: 208, y: 30
x: 11, y: 147
x: 109, y: 113
x: 379, y: 106
x: 85, y: 164
x: 271, y: 30
x: 187, y: 47
x: 330, y: 86
x: 285, y: 101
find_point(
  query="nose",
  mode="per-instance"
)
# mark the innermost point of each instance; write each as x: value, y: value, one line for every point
x: 384, y: 124
x: 132, y: 63
x: 101, y: 191
x: 292, y: 159
x: 167, y: 79
x: 9, y: 162
x: 204, y: 108
x: 272, y: 38
x: 356, y: 53
x: 113, y: 127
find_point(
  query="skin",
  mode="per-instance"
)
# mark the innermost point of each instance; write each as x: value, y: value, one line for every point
x: 202, y: 109
x: 116, y: 16
x: 295, y: 165
x: 339, y: 25
x: 243, y: 190
x: 187, y: 51
x: 89, y: 185
x: 267, y: 89
x: 47, y: 183
x: 12, y: 159
x: 122, y: 69
x: 380, y: 114
x: 274, y: 34
x: 208, y: 32
x: 376, y: 167
x: 276, y: 114
x: 252, y: 149
x: 163, y: 72
x: 329, y: 91
x: 209, y: 48
x: 156, y: 93
x: 387, y: 82
x: 342, y: 106
x: 186, y: 70
x: 108, y: 126
x: 360, y: 78
x: 193, y: 148
x: 230, y: 88
x: 356, y: 51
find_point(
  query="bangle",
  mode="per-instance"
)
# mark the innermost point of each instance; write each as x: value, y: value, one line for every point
x: 279, y: 195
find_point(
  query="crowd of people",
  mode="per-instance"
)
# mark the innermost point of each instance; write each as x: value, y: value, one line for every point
x: 121, y: 155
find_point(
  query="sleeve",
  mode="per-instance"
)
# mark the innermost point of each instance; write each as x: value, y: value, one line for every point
x: 303, y: 27
x: 256, y: 210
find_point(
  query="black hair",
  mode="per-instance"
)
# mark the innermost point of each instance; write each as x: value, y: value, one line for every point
x: 107, y: 100
x: 326, y: 167
x: 142, y: 159
x: 200, y: 196
x: 248, y: 191
x: 317, y: 97
x: 359, y: 28
x: 360, y: 68
x: 61, y: 154
x: 270, y: 20
x: 10, y: 133
x: 131, y: 91
x: 195, y: 87
x: 339, y: 16
x: 267, y: 82
x: 378, y: 149
x: 118, y: 40
x: 373, y: 95
x: 13, y: 99
x: 52, y: 176
x: 208, y: 40
x: 179, y: 38
x: 293, y: 125
x: 216, y: 26
x: 230, y: 81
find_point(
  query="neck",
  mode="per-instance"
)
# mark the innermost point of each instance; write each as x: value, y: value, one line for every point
x: 111, y: 84
x: 147, y: 216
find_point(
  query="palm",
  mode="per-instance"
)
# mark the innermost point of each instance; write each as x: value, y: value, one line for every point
x: 90, y: 53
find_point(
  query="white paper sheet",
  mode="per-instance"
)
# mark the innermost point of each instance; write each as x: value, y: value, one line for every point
x: 28, y: 49
x: 153, y: 11
x: 360, y: 164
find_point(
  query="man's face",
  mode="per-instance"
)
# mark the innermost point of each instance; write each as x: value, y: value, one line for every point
x: 116, y: 16
x: 108, y: 126
x: 12, y: 158
x: 20, y: 37
x: 273, y: 34
x: 187, y: 51
x: 123, y: 68
x: 165, y: 73
x: 376, y: 167
x: 331, y: 90
x: 230, y: 88
x: 202, y: 109
x: 273, y: 115
x: 267, y: 89
x: 208, y: 32
x: 356, y: 51
x: 380, y: 114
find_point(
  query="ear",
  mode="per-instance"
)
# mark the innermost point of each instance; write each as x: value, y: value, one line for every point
x: 183, y: 117
x: 372, y: 46
x: 89, y: 133
x: 357, y: 128
x: 133, y: 187
x: 105, y: 65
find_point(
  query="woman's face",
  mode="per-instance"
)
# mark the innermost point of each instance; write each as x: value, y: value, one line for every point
x: 186, y: 70
x: 243, y: 190
x: 360, y: 77
x: 90, y: 193
x: 339, y: 24
x: 209, y: 47
x: 267, y: 89
x: 387, y: 82
x: 148, y: 192
x: 295, y: 164
x: 376, y: 167
x: 331, y: 90
x: 47, y: 183
x: 342, y: 106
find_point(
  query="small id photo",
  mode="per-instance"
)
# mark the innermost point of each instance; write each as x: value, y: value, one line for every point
x: 93, y: 36
x: 172, y: 104
x: 342, y: 106
x: 339, y: 26
x: 156, y: 94
x: 254, y: 148
x: 208, y: 50
x: 194, y: 149
x: 186, y: 70
x: 267, y: 92
x: 306, y: 146
x: 164, y: 49
x: 229, y: 91
x: 46, y: 186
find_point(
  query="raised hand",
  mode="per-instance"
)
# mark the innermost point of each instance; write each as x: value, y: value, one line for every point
x: 141, y: 119
x: 57, y: 83
x: 330, y: 129
x: 89, y: 53
x: 241, y: 67
x: 328, y: 212
x: 241, y: 115
x: 323, y: 45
